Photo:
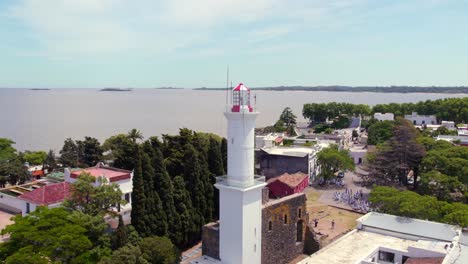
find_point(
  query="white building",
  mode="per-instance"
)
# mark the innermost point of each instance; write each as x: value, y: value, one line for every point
x: 384, y: 116
x: 276, y: 161
x: 382, y: 238
x: 419, y: 120
x: 450, y: 125
x: 123, y: 178
x: 23, y: 199
x: 268, y: 141
x: 358, y: 154
x: 240, y: 192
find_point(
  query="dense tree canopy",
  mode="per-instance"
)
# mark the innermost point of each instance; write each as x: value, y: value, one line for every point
x: 90, y: 151
x: 7, y: 151
x: 35, y: 157
x: 410, y: 204
x: 52, y: 233
x: 69, y: 154
x: 332, y: 160
x: 380, y: 132
x: 397, y: 157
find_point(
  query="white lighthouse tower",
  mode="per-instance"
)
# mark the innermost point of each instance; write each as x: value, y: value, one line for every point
x: 240, y: 192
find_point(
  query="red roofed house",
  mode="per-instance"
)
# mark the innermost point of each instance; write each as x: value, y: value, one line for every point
x: 288, y: 184
x: 123, y: 178
x: 51, y: 195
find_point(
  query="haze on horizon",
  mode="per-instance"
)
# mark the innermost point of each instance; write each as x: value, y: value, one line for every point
x: 184, y: 43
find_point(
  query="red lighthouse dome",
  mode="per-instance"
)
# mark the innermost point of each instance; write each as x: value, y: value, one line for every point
x: 241, y: 98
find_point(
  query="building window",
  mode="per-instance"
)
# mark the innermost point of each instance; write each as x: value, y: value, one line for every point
x: 127, y: 197
x: 299, y: 227
x: 270, y: 225
x: 28, y: 208
x: 299, y: 213
x: 285, y: 219
x: 386, y: 256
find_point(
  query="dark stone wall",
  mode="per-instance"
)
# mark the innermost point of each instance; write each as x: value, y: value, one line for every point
x: 280, y: 244
x: 210, y: 240
x: 274, y: 165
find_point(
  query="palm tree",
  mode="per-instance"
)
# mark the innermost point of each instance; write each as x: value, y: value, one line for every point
x: 134, y: 134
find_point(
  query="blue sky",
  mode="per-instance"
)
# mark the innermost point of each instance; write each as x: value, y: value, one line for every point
x: 187, y: 43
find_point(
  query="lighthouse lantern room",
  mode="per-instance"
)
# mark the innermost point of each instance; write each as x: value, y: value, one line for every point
x: 241, y: 99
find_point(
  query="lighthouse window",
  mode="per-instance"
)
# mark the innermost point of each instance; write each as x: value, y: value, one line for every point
x: 285, y: 219
x: 299, y: 213
x: 270, y: 225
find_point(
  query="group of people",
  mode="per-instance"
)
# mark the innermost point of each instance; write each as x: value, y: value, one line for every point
x: 335, y: 181
x: 356, y: 200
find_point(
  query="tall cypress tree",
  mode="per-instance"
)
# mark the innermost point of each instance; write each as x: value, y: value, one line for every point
x: 163, y: 186
x: 201, y: 142
x: 155, y: 218
x: 215, y: 158
x: 224, y: 153
x: 194, y: 183
x: 184, y: 209
x: 120, y: 236
x: 215, y: 164
x: 138, y: 198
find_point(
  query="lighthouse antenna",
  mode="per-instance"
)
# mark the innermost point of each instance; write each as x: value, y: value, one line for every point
x: 227, y: 85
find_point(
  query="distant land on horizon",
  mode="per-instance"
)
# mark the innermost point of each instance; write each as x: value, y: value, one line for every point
x: 116, y: 90
x: 373, y: 89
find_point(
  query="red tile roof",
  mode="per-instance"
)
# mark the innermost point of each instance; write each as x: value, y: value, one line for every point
x: 112, y: 174
x: 292, y: 180
x: 424, y: 261
x: 37, y: 173
x: 48, y: 194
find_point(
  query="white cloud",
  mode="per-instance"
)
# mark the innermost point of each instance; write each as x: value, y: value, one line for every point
x: 93, y: 27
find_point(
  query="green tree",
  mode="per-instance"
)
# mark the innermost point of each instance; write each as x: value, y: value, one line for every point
x: 398, y: 157
x: 134, y: 134
x: 410, y: 204
x: 155, y: 219
x: 69, y: 155
x: 341, y: 122
x: 120, y: 236
x: 332, y: 160
x: 90, y: 151
x: 47, y: 232
x: 380, y: 132
x: 7, y: 151
x: 154, y: 250
x: 50, y: 163
x: 185, y: 211
x: 194, y: 183
x: 139, y: 198
x: 163, y: 186
x: 93, y: 200
x: 224, y: 153
x: 443, y: 187
x: 35, y: 157
x: 14, y: 172
x: 288, y: 117
x: 122, y: 151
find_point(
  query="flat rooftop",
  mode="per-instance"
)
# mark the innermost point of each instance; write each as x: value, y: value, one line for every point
x: 409, y: 226
x: 112, y: 174
x: 358, y: 245
x: 290, y: 151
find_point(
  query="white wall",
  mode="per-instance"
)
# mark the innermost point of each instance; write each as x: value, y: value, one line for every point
x: 383, y: 117
x: 421, y: 119
x: 12, y: 203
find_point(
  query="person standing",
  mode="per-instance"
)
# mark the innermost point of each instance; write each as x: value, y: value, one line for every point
x: 333, y: 224
x: 315, y: 222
